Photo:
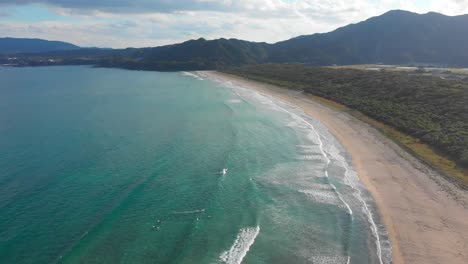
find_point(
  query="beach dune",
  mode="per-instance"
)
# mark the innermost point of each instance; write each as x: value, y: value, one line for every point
x: 425, y: 215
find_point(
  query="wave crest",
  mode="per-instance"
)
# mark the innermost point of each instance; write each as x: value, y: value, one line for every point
x: 241, y: 246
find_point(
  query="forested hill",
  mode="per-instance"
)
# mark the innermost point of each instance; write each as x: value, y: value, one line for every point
x: 396, y: 37
x: 197, y: 54
x: 430, y: 109
x: 24, y: 45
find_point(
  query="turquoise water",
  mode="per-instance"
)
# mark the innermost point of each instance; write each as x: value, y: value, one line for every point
x: 115, y: 166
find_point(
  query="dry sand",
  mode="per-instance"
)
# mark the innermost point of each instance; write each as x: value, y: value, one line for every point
x: 426, y: 216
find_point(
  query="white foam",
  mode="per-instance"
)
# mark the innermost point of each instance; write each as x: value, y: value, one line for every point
x: 301, y: 123
x: 233, y: 101
x: 322, y: 196
x: 296, y: 124
x: 291, y: 124
x: 342, y: 200
x: 198, y: 77
x: 312, y: 152
x: 358, y: 195
x: 241, y: 246
x: 309, y: 157
x: 329, y: 259
x: 306, y: 146
x: 189, y: 212
x: 314, y: 136
x: 318, y: 186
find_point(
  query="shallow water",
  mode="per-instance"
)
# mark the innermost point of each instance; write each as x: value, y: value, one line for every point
x: 115, y: 166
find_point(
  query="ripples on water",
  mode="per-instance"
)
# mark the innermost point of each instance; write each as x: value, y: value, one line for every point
x: 319, y: 147
x: 124, y: 166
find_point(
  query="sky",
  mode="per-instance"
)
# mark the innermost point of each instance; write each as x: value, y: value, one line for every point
x: 144, y: 23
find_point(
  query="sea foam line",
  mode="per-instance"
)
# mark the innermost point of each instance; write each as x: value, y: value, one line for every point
x: 322, y: 196
x: 189, y: 212
x: 330, y: 259
x: 368, y: 212
x: 328, y: 161
x: 365, y: 206
x: 269, y: 101
x: 241, y: 246
x: 322, y: 151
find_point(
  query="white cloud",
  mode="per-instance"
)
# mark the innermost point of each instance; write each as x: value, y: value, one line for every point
x: 450, y: 7
x: 155, y: 6
x: 100, y: 24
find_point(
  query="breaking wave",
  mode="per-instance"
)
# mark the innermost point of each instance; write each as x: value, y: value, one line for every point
x: 196, y: 76
x: 241, y: 246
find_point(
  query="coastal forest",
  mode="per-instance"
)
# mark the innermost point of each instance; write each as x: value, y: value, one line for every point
x: 428, y: 108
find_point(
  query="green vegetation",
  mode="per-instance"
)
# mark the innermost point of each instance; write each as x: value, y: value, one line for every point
x: 197, y: 54
x: 396, y: 37
x: 426, y: 114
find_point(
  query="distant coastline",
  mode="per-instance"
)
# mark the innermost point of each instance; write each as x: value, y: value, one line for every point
x: 423, y: 213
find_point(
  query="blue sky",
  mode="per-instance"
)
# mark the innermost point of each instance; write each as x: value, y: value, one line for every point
x: 141, y: 23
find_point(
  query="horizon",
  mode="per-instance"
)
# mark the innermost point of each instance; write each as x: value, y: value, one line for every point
x: 207, y: 39
x: 127, y: 24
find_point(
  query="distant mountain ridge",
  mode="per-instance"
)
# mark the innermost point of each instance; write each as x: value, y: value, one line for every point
x: 396, y: 37
x: 27, y: 45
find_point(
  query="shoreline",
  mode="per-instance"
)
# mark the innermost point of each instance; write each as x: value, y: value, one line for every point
x: 422, y: 212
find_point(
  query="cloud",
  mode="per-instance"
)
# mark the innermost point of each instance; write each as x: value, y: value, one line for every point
x: 155, y: 6
x: 450, y: 7
x: 161, y: 29
x: 85, y: 34
x: 139, y: 23
x: 324, y: 9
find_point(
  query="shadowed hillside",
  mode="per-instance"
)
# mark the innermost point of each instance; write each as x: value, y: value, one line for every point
x: 396, y: 37
x: 23, y: 45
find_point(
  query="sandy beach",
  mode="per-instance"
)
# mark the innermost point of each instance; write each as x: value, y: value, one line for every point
x: 426, y: 216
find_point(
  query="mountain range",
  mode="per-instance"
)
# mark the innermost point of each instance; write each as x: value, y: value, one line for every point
x: 25, y: 45
x: 396, y: 37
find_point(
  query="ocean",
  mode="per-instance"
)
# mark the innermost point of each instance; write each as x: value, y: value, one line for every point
x: 115, y: 166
